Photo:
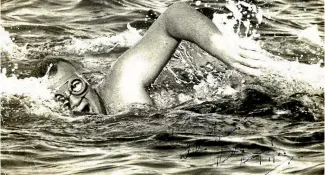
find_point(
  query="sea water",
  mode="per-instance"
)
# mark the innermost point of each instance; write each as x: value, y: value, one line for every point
x: 208, y: 120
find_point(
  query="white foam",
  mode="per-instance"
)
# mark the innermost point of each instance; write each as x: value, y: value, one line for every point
x: 104, y: 44
x: 227, y: 25
x: 312, y: 35
x: 293, y: 76
x: 30, y: 91
x: 9, y: 48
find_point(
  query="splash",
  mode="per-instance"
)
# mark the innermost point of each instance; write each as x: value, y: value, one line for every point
x: 295, y: 77
x: 311, y: 35
x: 282, y: 77
x: 287, y: 77
x: 304, y: 77
x: 242, y: 21
x: 68, y: 45
x: 9, y: 48
x: 31, y: 94
x: 98, y: 45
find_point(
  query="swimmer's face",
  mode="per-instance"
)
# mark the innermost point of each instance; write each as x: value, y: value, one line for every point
x: 73, y: 91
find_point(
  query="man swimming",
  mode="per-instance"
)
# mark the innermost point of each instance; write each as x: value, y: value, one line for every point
x: 126, y: 82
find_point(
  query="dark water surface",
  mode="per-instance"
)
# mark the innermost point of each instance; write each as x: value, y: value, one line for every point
x: 208, y: 120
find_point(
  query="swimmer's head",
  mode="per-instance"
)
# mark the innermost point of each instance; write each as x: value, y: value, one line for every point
x: 70, y: 87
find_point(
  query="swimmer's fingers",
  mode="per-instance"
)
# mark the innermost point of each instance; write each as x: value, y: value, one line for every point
x: 253, y: 55
x: 249, y: 62
x: 248, y: 44
x: 247, y: 70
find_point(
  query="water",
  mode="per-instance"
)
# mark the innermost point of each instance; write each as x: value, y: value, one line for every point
x: 207, y: 120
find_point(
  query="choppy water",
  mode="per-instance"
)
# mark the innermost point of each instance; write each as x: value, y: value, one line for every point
x: 208, y: 121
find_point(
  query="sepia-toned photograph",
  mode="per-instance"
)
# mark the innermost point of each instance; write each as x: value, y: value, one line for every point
x: 126, y: 87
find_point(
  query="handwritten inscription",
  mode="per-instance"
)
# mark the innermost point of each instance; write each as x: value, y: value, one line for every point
x: 236, y: 153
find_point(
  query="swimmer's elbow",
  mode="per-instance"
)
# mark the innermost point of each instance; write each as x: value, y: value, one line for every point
x: 176, y: 7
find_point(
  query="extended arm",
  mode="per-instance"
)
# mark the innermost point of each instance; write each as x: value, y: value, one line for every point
x: 140, y: 65
x: 179, y: 22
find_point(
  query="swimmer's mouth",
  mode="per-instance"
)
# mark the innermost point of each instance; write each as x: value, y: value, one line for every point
x: 83, y: 107
x: 86, y: 110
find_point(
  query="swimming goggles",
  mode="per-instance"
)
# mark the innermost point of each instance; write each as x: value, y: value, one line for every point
x: 75, y: 86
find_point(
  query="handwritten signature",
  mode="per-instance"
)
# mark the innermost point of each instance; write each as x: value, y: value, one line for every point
x: 235, y: 151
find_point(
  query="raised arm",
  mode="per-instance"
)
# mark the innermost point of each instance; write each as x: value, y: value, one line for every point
x: 179, y: 22
x: 140, y: 65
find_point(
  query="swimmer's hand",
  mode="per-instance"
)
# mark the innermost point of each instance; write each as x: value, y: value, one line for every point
x: 244, y: 57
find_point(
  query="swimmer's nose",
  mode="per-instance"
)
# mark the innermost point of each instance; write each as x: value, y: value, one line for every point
x: 74, y: 101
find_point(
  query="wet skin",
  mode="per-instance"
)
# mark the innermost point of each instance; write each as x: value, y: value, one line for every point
x: 125, y: 83
x: 66, y: 81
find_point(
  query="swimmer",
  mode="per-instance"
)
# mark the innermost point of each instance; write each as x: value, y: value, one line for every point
x: 126, y: 82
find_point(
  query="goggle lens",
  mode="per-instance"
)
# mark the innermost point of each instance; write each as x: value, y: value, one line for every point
x: 77, y: 86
